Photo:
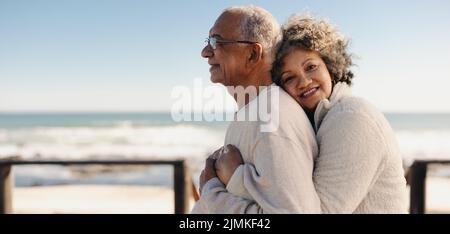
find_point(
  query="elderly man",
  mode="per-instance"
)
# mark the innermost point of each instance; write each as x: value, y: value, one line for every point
x: 278, y: 163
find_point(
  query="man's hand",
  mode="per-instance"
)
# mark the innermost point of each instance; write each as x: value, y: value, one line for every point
x: 227, y: 162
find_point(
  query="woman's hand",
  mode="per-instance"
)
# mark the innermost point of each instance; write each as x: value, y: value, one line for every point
x: 226, y: 162
x: 209, y: 171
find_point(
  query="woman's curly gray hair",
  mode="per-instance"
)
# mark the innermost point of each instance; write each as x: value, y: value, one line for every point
x: 303, y: 31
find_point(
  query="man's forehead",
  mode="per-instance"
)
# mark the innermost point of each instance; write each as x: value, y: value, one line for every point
x: 226, y: 25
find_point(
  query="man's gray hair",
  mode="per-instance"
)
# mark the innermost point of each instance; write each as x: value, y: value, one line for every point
x: 259, y: 25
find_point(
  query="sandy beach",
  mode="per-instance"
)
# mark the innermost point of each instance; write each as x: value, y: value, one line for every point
x: 438, y: 195
x: 106, y: 199
x: 91, y: 199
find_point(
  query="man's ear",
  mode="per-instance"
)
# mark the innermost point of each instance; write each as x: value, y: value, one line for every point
x: 256, y: 53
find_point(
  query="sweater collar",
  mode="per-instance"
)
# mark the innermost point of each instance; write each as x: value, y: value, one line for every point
x: 340, y: 90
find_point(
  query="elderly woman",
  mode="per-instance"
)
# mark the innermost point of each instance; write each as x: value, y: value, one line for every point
x: 359, y: 168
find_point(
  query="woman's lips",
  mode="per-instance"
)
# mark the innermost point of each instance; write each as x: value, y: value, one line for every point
x: 309, y: 93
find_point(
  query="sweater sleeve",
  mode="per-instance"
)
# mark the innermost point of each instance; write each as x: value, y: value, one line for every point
x: 352, y: 155
x: 279, y: 181
x: 236, y: 183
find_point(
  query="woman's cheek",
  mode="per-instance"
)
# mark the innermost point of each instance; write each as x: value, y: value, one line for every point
x: 291, y: 91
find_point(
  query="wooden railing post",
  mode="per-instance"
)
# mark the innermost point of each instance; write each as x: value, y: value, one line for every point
x: 6, y: 187
x: 418, y: 187
x: 182, y: 187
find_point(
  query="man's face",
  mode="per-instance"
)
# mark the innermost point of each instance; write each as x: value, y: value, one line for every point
x: 227, y: 61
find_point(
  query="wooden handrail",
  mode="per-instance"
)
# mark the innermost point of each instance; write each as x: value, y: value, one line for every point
x: 182, y: 180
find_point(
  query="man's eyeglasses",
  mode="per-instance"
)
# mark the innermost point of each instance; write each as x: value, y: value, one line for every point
x: 212, y: 41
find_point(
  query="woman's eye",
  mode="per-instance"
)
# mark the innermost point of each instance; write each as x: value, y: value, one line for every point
x: 311, y: 67
x: 287, y: 79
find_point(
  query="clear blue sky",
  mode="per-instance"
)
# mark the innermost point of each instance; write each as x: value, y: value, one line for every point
x: 101, y: 55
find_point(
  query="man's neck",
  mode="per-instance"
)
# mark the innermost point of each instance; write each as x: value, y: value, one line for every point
x: 252, y: 88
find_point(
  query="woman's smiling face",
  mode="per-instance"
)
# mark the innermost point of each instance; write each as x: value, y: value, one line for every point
x: 305, y: 77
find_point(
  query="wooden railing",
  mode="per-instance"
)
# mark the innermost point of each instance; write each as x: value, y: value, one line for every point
x: 417, y: 180
x: 183, y: 186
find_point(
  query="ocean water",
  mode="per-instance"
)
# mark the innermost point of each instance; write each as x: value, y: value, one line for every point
x: 155, y: 136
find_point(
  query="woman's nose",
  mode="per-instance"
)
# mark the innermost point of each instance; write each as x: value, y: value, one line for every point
x: 207, y: 52
x: 304, y: 82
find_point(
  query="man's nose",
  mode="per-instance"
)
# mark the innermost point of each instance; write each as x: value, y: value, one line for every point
x: 207, y: 52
